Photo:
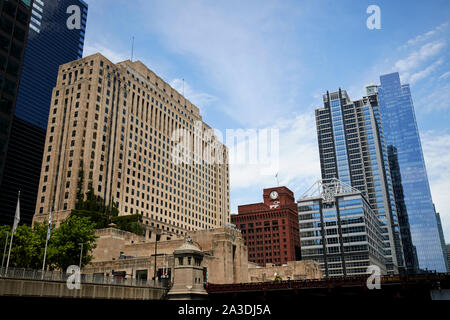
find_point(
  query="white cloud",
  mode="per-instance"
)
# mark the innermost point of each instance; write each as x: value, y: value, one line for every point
x: 436, y: 148
x: 444, y: 75
x: 423, y: 37
x: 113, y: 55
x: 200, y: 99
x: 299, y: 164
x: 413, y: 61
x: 424, y: 73
x: 436, y: 99
x: 236, y: 52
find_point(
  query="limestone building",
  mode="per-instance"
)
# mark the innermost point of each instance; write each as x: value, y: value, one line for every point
x: 126, y: 133
x: 124, y: 255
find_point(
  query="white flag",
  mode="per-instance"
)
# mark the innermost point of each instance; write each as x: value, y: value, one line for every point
x: 17, y: 216
x: 49, y: 224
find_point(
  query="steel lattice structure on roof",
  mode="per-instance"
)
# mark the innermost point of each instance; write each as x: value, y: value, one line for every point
x: 328, y: 189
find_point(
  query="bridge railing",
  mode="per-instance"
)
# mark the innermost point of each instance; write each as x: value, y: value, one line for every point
x: 436, y: 279
x: 32, y: 274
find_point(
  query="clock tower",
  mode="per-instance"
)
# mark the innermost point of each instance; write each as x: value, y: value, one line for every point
x: 270, y: 228
x: 278, y: 196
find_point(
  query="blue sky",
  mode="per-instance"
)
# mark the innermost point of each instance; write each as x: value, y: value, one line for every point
x: 257, y: 64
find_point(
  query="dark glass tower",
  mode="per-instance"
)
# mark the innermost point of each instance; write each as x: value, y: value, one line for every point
x: 409, y: 250
x: 400, y: 129
x: 54, y: 38
x: 352, y: 149
x: 14, y: 20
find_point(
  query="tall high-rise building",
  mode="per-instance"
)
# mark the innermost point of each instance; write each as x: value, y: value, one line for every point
x: 270, y: 229
x: 123, y: 132
x: 400, y: 128
x: 409, y: 250
x: 442, y: 239
x: 447, y: 246
x: 15, y: 18
x: 339, y: 229
x: 352, y: 149
x: 56, y: 36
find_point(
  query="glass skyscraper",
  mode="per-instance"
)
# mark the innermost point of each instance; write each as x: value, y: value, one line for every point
x: 50, y: 44
x: 339, y: 230
x: 400, y: 129
x: 352, y: 149
x: 14, y: 22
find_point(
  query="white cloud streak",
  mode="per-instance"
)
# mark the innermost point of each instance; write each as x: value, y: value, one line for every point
x: 436, y: 148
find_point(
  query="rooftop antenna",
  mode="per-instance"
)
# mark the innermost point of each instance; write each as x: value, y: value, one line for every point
x: 132, y: 48
x: 183, y: 87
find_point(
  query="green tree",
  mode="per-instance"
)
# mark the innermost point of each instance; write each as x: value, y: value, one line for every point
x: 64, y: 248
x: 101, y: 215
x: 26, y: 250
x: 130, y: 223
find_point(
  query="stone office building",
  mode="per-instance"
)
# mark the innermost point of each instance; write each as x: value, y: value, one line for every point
x: 136, y: 142
x: 123, y: 255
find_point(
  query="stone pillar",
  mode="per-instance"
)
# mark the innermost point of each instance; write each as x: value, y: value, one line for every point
x: 188, y: 273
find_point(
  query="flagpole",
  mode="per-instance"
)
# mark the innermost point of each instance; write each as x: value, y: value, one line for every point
x: 46, y: 240
x: 9, y: 253
x: 16, y: 222
x: 4, y: 250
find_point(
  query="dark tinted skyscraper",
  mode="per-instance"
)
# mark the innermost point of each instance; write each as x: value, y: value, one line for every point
x: 352, y: 149
x: 14, y: 19
x: 400, y: 129
x: 50, y: 44
x: 52, y: 41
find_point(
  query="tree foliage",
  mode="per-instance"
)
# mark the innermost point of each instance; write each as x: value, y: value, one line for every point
x: 66, y: 242
x: 63, y: 248
x: 103, y: 215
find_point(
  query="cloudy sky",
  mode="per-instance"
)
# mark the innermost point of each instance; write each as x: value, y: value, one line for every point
x: 265, y: 64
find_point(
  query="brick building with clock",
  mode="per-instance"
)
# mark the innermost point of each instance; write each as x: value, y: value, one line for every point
x: 270, y: 229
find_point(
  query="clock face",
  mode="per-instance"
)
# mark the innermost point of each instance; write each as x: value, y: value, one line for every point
x: 274, y: 195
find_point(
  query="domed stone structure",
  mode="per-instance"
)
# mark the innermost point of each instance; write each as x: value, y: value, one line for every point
x: 188, y: 273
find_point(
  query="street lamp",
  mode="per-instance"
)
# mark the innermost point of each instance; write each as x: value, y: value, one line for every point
x: 158, y: 235
x: 81, y: 253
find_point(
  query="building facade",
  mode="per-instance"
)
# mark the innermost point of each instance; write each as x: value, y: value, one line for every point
x: 270, y: 229
x: 400, y: 128
x: 352, y: 149
x: 15, y: 18
x: 50, y: 43
x: 340, y: 230
x: 409, y: 250
x: 123, y: 254
x: 448, y: 253
x: 122, y: 131
x: 126, y: 255
x: 442, y: 239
